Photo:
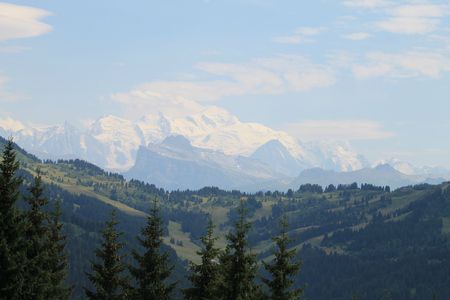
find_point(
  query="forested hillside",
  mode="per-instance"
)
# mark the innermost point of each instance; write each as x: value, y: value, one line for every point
x: 363, y: 241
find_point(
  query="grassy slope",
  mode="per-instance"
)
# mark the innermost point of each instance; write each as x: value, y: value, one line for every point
x: 75, y: 182
x: 133, y: 200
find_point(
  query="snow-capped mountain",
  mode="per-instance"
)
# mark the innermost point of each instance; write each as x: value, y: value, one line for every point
x: 333, y: 155
x: 215, y: 128
x: 213, y: 145
x: 113, y: 142
x: 274, y: 154
x: 336, y: 156
x: 176, y: 164
x: 44, y: 141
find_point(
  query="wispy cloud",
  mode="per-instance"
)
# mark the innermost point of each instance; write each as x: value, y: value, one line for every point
x: 357, y: 36
x: 413, y: 18
x: 403, y: 17
x: 367, y: 3
x: 18, y: 21
x: 168, y: 97
x: 284, y: 74
x: 277, y: 75
x: 338, y: 130
x: 301, y: 35
x: 13, y: 49
x: 409, y: 25
x: 409, y: 64
x: 5, y: 94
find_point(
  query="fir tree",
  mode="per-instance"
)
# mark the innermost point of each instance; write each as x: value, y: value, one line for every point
x: 282, y: 269
x: 204, y: 277
x: 107, y: 275
x: 153, y: 269
x: 36, y: 273
x: 238, y: 264
x: 57, y: 265
x: 12, y: 247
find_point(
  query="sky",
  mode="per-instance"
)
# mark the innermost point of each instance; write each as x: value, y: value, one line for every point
x: 375, y: 73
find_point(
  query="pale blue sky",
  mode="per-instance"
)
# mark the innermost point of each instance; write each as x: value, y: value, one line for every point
x: 374, y: 72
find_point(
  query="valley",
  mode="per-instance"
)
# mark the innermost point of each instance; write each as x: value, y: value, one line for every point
x: 340, y: 225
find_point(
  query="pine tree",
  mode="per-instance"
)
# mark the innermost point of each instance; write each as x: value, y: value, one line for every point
x: 153, y: 269
x: 58, y: 258
x: 238, y: 264
x: 205, y: 276
x: 36, y: 273
x: 107, y: 275
x: 282, y: 269
x: 12, y: 246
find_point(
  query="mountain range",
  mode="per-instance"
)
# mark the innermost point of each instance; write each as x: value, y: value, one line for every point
x: 381, y: 175
x: 213, y: 144
x: 112, y: 142
x: 176, y: 164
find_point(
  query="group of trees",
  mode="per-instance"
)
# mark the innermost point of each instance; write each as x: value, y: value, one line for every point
x: 228, y: 275
x: 383, y: 255
x: 33, y: 264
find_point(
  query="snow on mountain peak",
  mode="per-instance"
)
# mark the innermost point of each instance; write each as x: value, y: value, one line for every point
x: 410, y: 169
x: 177, y: 141
x: 216, y: 129
x: 155, y: 127
x: 118, y: 138
x: 218, y: 116
x: 10, y: 125
x: 401, y: 166
x: 108, y: 123
x: 112, y: 142
x: 335, y: 155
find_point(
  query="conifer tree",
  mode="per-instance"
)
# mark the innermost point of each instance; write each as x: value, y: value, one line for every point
x: 12, y: 247
x: 238, y: 264
x: 153, y: 269
x: 107, y: 274
x: 58, y: 258
x: 205, y: 276
x: 282, y: 269
x: 36, y: 272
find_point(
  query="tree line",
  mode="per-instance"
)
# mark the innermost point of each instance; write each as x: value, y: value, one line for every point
x: 228, y: 274
x: 33, y: 261
x: 33, y: 264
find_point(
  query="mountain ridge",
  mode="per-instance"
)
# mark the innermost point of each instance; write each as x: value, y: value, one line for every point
x: 112, y: 142
x: 381, y: 175
x: 176, y: 164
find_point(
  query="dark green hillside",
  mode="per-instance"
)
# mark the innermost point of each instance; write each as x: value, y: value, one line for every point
x: 405, y: 253
x: 84, y: 214
x: 366, y: 241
